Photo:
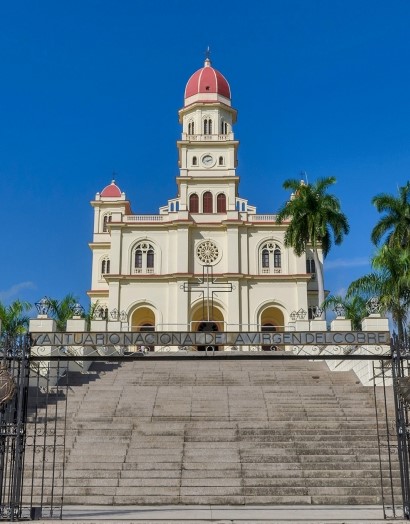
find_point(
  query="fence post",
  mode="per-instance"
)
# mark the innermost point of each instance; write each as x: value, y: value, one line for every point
x: 78, y: 325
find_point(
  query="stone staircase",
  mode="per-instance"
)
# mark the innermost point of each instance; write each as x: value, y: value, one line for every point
x: 210, y: 431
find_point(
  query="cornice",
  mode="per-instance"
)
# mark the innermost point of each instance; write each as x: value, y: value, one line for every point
x: 98, y: 245
x: 297, y: 277
x: 98, y: 293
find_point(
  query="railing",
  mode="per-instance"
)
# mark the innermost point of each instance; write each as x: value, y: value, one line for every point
x: 141, y: 270
x: 143, y: 218
x: 207, y: 138
x: 268, y: 270
x: 262, y: 218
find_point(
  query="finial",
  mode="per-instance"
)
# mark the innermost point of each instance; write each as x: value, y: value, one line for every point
x: 207, y: 57
x: 114, y: 174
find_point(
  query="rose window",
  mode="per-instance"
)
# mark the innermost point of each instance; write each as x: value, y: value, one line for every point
x: 207, y: 252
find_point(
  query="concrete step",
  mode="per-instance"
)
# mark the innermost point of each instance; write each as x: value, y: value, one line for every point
x: 219, y: 432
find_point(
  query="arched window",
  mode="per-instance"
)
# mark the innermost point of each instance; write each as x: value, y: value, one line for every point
x: 221, y: 203
x: 150, y: 258
x: 194, y: 203
x: 205, y: 126
x: 105, y: 266
x: 144, y: 258
x: 210, y: 126
x: 207, y: 202
x: 310, y: 265
x: 225, y: 128
x: 138, y: 259
x: 277, y: 262
x: 191, y: 128
x: 221, y: 160
x: 265, y: 258
x: 270, y: 258
x: 222, y: 127
x: 194, y: 161
x: 106, y: 220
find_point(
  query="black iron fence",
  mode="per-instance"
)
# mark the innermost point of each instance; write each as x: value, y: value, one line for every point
x: 34, y: 391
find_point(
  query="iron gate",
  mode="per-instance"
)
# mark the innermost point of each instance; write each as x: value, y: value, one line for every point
x: 393, y: 428
x: 33, y: 424
x: 32, y: 433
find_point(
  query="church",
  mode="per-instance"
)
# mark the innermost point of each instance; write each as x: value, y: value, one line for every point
x: 207, y: 261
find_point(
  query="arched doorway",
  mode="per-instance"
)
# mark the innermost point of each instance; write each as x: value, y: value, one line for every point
x: 143, y: 319
x: 268, y: 327
x: 200, y: 322
x: 271, y: 319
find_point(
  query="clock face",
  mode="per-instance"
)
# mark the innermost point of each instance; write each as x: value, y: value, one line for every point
x: 207, y: 160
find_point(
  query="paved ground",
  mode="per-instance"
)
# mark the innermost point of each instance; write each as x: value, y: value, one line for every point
x: 224, y: 514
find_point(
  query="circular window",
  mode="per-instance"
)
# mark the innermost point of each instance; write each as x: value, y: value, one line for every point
x: 207, y: 252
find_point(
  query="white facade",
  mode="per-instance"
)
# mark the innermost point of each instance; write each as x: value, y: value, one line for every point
x: 142, y: 263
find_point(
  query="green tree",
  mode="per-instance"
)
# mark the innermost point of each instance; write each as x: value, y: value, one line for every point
x: 396, y: 221
x: 354, y: 306
x: 389, y: 282
x: 315, y: 220
x: 89, y: 315
x: 62, y: 310
x: 13, y: 319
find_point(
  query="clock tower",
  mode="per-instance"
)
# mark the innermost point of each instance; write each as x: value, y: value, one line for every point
x: 208, y: 150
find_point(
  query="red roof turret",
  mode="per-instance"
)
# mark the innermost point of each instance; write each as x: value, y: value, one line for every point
x: 111, y: 191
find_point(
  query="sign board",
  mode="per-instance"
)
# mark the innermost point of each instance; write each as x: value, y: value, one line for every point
x: 224, y: 338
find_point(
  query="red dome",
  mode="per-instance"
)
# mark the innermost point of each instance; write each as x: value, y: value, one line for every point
x: 111, y: 191
x: 207, y: 80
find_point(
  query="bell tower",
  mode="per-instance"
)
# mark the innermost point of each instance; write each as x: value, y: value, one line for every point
x: 207, y: 150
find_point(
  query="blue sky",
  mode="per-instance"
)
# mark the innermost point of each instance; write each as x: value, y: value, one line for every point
x: 90, y: 87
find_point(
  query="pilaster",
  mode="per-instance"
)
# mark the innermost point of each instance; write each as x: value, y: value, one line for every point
x: 234, y: 307
x: 232, y: 249
x: 115, y: 253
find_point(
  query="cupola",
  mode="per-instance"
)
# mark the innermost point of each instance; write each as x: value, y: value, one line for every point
x: 207, y: 85
x: 111, y: 191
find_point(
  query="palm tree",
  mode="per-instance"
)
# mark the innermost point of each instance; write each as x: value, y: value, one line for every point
x: 13, y: 319
x: 390, y: 282
x: 315, y: 218
x: 62, y: 310
x: 396, y: 221
x: 354, y: 306
x: 89, y: 315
